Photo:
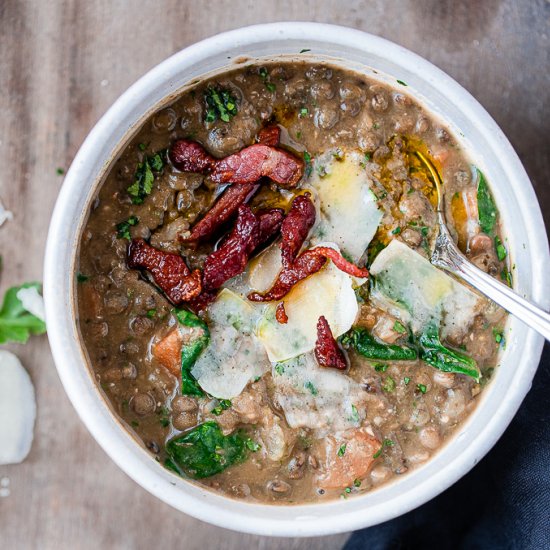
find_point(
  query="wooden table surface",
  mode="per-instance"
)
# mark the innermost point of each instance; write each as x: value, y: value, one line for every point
x: 62, y: 63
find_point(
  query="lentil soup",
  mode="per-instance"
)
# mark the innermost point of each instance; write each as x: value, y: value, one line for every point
x: 254, y: 288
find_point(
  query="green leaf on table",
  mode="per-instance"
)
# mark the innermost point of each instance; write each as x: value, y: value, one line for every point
x: 16, y: 322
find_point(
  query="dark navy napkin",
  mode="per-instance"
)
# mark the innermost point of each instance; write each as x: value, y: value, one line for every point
x: 503, y: 503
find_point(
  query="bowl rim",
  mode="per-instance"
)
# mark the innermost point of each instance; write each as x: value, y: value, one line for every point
x: 219, y: 510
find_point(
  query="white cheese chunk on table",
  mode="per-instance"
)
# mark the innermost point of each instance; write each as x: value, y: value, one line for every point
x: 17, y: 410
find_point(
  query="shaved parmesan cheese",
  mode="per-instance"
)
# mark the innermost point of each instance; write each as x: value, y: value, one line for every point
x: 409, y: 287
x: 17, y: 410
x: 313, y: 397
x: 5, y: 215
x: 263, y: 269
x: 328, y: 292
x: 349, y: 211
x: 229, y: 309
x: 234, y: 356
x: 32, y: 302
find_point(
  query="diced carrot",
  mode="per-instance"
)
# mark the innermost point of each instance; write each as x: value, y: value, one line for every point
x: 168, y: 351
x: 348, y: 457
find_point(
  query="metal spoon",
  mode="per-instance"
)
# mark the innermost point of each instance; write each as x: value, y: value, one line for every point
x: 447, y: 256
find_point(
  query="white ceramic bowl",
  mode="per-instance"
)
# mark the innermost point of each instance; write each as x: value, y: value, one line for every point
x: 489, y: 149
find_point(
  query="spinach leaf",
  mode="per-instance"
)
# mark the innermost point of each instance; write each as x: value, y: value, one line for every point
x: 123, y: 228
x: 145, y: 177
x: 487, y: 209
x: 366, y: 345
x: 16, y: 323
x: 204, y: 451
x: 220, y: 104
x: 433, y: 352
x: 191, y: 351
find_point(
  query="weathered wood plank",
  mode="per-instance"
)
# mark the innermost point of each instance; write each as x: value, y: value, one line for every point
x: 62, y: 63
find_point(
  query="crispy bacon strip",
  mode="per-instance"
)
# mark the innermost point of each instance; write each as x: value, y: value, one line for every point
x: 340, y: 262
x: 280, y: 314
x: 270, y: 135
x: 295, y: 227
x: 270, y: 223
x: 246, y: 166
x: 169, y: 271
x: 306, y: 264
x: 224, y: 209
x: 231, y: 258
x: 190, y: 156
x: 230, y: 261
x: 327, y: 351
x: 228, y: 204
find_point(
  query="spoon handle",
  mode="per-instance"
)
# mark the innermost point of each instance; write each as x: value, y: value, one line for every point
x: 448, y: 257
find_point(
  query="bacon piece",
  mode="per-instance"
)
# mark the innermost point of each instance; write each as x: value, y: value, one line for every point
x: 295, y: 228
x: 230, y: 262
x: 203, y: 300
x: 327, y: 351
x: 231, y: 258
x: 224, y: 209
x: 256, y: 161
x: 190, y: 156
x: 246, y: 166
x: 270, y: 223
x: 306, y: 264
x: 280, y: 314
x: 169, y: 271
x: 270, y: 135
x: 341, y: 263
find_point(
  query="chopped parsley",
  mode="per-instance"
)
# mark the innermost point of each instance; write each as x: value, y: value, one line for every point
x: 354, y: 414
x: 406, y: 380
x: 421, y: 388
x: 60, y: 171
x: 342, y: 450
x: 385, y: 443
x: 309, y: 166
x: 389, y: 384
x: 396, y: 231
x: 357, y: 483
x: 279, y: 368
x: 252, y: 445
x: 380, y: 367
x: 223, y: 404
x: 304, y: 50
x: 499, y: 336
x: 145, y: 177
x: 142, y: 146
x: 81, y: 278
x: 303, y: 112
x: 264, y: 75
x: 398, y: 327
x: 402, y: 83
x: 500, y: 248
x: 220, y: 104
x: 312, y: 389
x: 151, y: 313
x: 123, y: 228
